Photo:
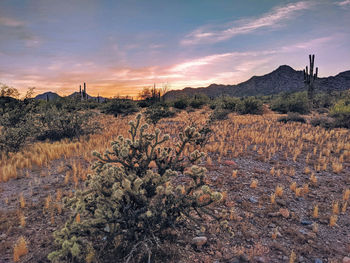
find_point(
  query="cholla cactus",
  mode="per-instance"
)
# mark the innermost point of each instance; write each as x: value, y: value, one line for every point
x: 130, y: 201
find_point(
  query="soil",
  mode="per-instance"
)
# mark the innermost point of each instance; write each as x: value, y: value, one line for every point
x: 254, y: 221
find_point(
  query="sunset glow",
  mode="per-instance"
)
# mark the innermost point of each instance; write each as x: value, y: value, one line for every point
x: 119, y: 47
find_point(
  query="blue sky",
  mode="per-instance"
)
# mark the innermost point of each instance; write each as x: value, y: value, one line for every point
x: 119, y: 47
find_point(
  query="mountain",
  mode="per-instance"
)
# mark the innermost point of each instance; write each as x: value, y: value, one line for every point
x: 283, y: 79
x: 50, y: 95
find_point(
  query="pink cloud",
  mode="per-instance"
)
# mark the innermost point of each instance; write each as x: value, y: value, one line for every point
x: 244, y: 26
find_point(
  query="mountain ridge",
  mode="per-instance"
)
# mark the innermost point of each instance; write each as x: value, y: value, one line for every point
x: 282, y: 79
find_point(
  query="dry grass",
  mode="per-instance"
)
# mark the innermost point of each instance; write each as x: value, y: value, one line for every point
x: 257, y: 137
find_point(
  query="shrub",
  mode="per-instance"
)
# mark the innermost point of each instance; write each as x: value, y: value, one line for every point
x: 250, y: 105
x: 17, y: 125
x: 219, y: 114
x: 198, y: 101
x: 230, y: 103
x: 158, y: 112
x: 181, y: 103
x: 58, y: 124
x: 120, y: 107
x: 297, y: 102
x: 341, y: 112
x: 8, y: 104
x: 292, y: 116
x: 131, y: 204
x: 323, y: 121
x: 12, y: 139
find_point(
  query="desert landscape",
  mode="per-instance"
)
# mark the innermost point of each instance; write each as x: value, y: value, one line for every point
x: 240, y: 154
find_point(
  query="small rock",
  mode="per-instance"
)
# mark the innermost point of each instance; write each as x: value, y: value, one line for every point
x: 304, y: 232
x: 346, y: 260
x: 272, y: 225
x: 253, y: 200
x: 306, y: 222
x: 199, y: 241
x: 317, y: 260
x: 273, y: 214
x: 324, y: 221
x: 281, y: 202
x: 243, y: 258
x: 218, y: 254
x: 311, y: 235
x: 284, y: 212
x: 261, y: 260
x: 230, y: 162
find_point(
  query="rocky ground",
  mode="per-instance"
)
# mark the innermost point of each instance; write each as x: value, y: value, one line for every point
x: 262, y: 231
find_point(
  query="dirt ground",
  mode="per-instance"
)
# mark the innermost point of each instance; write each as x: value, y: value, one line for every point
x: 263, y: 232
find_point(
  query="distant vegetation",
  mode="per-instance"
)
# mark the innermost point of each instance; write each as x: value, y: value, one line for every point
x: 25, y: 120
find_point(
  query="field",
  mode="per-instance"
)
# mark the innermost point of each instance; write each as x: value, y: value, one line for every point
x: 286, y: 187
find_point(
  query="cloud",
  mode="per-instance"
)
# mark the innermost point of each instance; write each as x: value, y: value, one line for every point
x: 245, y: 26
x: 15, y: 29
x: 343, y: 3
x: 10, y: 22
x: 64, y: 74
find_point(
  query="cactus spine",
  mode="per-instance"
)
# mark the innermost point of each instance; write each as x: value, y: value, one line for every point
x: 310, y: 77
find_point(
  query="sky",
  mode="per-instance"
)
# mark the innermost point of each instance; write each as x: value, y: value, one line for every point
x: 118, y: 47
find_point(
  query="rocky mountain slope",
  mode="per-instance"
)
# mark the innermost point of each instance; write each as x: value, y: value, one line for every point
x: 283, y: 79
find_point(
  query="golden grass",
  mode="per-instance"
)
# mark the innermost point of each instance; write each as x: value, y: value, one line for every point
x: 20, y: 249
x: 260, y: 137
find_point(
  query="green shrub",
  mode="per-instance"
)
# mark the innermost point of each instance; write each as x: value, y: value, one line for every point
x: 130, y: 204
x: 158, y: 112
x: 341, y: 112
x: 181, y: 103
x: 13, y: 139
x: 250, y: 105
x: 230, y: 103
x: 323, y: 121
x: 120, y: 107
x: 198, y: 101
x: 8, y: 104
x: 292, y: 116
x: 59, y: 124
x: 31, y: 120
x: 297, y: 102
x: 17, y: 125
x: 219, y: 114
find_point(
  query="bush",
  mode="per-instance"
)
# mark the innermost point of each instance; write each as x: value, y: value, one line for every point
x: 250, y: 105
x: 230, y: 103
x: 292, y: 116
x: 59, y: 124
x: 325, y: 122
x: 120, y: 107
x: 181, y: 103
x: 12, y: 139
x: 8, y: 104
x: 297, y: 102
x: 341, y: 112
x: 198, y: 101
x: 29, y: 120
x: 158, y: 112
x: 131, y: 204
x: 17, y: 125
x: 219, y: 114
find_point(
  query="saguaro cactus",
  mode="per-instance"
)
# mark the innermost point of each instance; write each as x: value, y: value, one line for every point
x: 84, y: 92
x: 310, y: 77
